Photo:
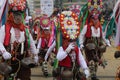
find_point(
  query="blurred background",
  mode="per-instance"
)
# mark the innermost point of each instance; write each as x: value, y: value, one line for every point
x: 34, y: 5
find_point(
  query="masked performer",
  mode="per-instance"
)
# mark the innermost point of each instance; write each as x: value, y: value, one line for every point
x: 16, y: 40
x: 69, y: 55
x: 91, y: 38
x: 43, y: 41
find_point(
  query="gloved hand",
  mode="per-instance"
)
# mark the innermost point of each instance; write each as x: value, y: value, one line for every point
x: 81, y: 46
x: 108, y: 43
x: 36, y: 58
x: 87, y: 73
x: 6, y: 55
x: 70, y: 47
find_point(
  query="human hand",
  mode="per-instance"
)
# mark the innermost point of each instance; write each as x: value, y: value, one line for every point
x: 81, y: 46
x: 6, y: 55
x: 87, y: 73
x: 70, y: 47
x: 108, y: 43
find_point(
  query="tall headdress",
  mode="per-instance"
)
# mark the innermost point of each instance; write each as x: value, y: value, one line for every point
x: 75, y: 8
x: 69, y: 25
x: 95, y: 7
x: 17, y: 5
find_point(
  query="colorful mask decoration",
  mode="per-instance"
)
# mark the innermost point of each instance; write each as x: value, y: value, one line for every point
x: 69, y: 25
x: 45, y: 22
x: 75, y: 8
x: 95, y: 7
x: 17, y: 5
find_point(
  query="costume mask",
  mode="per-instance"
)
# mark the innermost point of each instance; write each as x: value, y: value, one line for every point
x: 69, y: 25
x: 75, y: 8
x: 45, y: 22
x: 95, y: 7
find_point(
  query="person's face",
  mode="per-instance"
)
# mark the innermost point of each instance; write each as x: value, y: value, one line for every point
x: 17, y: 18
x: 95, y: 20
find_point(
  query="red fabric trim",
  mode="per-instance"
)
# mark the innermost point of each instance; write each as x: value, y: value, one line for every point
x: 4, y: 8
x: 43, y: 43
x: 67, y: 62
x: 10, y: 21
x: 35, y: 28
x: 100, y: 31
x: 88, y: 33
x: 116, y: 15
x: 77, y: 55
x: 45, y: 39
x: 7, y: 34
